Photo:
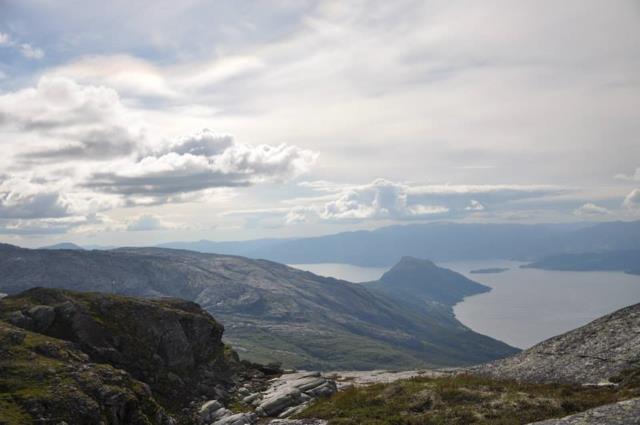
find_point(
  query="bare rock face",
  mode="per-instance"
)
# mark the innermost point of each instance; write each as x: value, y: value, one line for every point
x: 172, y: 345
x: 284, y: 396
x: 623, y: 413
x: 587, y: 355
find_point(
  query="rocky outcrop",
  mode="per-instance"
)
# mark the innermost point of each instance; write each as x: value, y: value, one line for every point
x: 284, y: 396
x: 623, y: 413
x: 47, y: 380
x: 588, y: 355
x: 172, y: 345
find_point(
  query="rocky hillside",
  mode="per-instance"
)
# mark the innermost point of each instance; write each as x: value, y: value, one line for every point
x: 598, y: 351
x: 172, y: 345
x: 421, y: 280
x: 48, y: 380
x: 272, y: 312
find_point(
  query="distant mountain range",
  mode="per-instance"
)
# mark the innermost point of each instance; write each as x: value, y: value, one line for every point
x: 437, y: 241
x: 622, y: 260
x: 272, y: 312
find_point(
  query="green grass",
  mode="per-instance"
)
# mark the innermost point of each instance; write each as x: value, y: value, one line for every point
x: 460, y: 400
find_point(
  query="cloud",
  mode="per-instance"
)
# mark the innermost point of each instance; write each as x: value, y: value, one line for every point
x: 24, y: 199
x: 25, y: 49
x: 147, y: 222
x: 632, y: 200
x: 202, y: 161
x: 385, y: 199
x: 77, y: 150
x: 632, y: 177
x: 474, y: 206
x: 71, y: 121
x: 380, y: 199
x: 591, y: 210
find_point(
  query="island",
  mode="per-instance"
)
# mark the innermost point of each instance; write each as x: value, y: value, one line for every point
x: 489, y: 270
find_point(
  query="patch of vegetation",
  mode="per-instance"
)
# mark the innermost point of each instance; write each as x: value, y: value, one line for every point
x: 464, y: 399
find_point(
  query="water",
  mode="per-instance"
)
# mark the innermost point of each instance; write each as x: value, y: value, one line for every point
x: 343, y: 271
x: 525, y: 306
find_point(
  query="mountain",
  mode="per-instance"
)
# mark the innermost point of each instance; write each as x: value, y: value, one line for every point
x: 626, y: 261
x: 437, y: 241
x: 231, y: 247
x: 599, y: 351
x: 414, y: 279
x: 272, y: 312
x: 63, y: 245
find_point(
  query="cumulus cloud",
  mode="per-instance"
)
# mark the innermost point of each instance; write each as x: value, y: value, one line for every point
x: 380, y: 199
x: 632, y: 200
x: 21, y: 198
x: 384, y: 199
x: 71, y: 121
x: 202, y: 161
x: 591, y: 210
x: 59, y: 125
x: 147, y: 222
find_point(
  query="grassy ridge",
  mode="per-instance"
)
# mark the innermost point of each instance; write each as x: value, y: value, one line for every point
x: 464, y: 399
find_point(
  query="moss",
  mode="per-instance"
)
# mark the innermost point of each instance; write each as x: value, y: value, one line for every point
x: 461, y: 399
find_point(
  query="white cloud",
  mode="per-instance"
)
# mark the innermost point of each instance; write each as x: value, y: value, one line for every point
x: 25, y: 49
x: 632, y: 200
x: 591, y: 210
x: 148, y: 222
x: 380, y: 199
x: 474, y: 206
x: 69, y: 121
x: 30, y: 52
x: 21, y: 198
x: 202, y: 161
x: 384, y: 199
x: 77, y: 150
x: 632, y: 177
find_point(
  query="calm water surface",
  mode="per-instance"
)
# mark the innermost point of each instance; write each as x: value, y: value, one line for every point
x: 525, y: 306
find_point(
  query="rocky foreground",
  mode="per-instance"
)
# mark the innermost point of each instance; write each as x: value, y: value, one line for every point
x: 591, y: 355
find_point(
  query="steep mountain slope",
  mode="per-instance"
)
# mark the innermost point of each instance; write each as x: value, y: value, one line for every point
x: 416, y: 279
x: 272, y: 312
x: 595, y: 352
x: 436, y: 241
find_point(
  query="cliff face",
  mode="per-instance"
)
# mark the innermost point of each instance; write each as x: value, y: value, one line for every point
x: 47, y: 380
x: 596, y: 352
x: 172, y: 345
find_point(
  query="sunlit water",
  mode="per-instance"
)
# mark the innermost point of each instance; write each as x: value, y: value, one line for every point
x: 525, y: 306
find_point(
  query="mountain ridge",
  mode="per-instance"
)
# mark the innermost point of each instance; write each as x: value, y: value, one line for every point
x: 272, y: 312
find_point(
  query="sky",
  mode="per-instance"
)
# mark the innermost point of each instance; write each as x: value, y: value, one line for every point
x: 135, y: 123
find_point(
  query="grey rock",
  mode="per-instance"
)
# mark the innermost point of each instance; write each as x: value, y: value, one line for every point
x: 588, y: 355
x: 298, y: 422
x: 622, y: 413
x: 206, y: 411
x: 290, y: 391
x: 238, y: 419
x: 43, y: 316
